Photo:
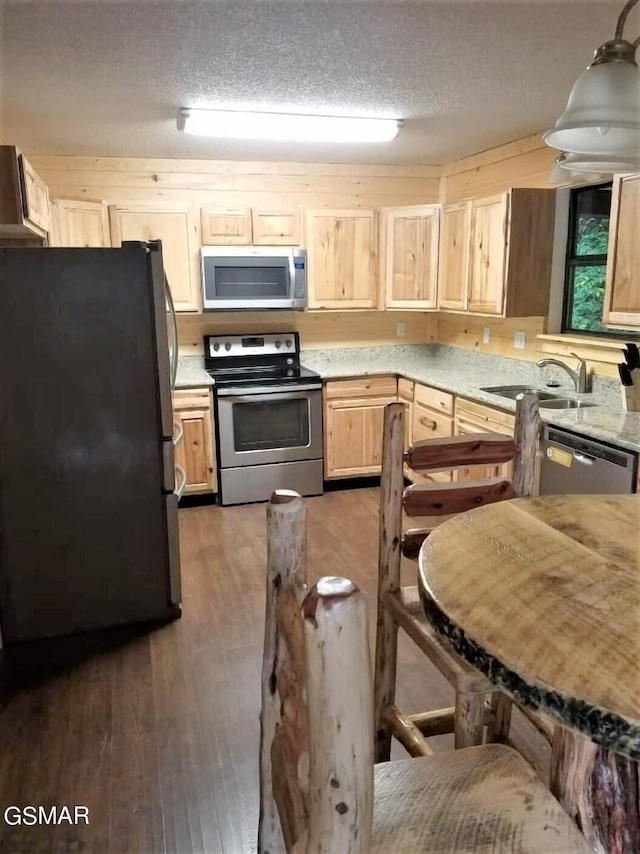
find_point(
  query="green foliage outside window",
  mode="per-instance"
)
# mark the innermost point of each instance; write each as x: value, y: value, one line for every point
x: 587, y: 283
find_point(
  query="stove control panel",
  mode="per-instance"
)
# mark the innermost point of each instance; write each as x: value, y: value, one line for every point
x: 239, y: 346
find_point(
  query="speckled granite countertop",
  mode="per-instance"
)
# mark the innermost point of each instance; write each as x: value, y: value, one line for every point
x: 464, y: 372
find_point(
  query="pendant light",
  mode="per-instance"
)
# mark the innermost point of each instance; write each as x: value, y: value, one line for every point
x: 563, y: 172
x: 602, y: 118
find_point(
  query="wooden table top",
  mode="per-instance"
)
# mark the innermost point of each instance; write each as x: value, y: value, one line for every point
x: 543, y: 596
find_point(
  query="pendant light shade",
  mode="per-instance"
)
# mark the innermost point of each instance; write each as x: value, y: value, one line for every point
x: 603, y: 113
x: 600, y: 128
x: 599, y: 164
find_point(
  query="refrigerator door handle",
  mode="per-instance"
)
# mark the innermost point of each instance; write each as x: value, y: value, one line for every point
x: 183, y: 483
x: 178, y: 432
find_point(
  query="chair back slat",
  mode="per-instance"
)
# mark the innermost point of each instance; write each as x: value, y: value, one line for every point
x: 284, y: 731
x: 444, y: 499
x: 460, y: 451
x: 340, y: 696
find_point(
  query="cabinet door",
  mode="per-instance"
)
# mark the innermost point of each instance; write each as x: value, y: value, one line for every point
x: 276, y: 227
x: 35, y: 197
x: 342, y: 257
x: 83, y: 223
x: 226, y: 227
x: 489, y: 222
x: 429, y: 424
x: 453, y: 274
x: 474, y: 472
x: 622, y: 296
x: 195, y: 451
x: 411, y: 262
x: 353, y: 436
x: 176, y: 227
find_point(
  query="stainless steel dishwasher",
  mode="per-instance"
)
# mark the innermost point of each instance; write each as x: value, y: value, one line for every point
x: 575, y: 465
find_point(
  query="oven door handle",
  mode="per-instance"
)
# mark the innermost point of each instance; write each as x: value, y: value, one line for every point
x: 243, y: 393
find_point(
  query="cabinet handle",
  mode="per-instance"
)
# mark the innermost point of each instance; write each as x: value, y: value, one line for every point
x: 428, y: 422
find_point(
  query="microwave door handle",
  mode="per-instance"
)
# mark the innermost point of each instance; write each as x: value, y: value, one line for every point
x: 292, y: 276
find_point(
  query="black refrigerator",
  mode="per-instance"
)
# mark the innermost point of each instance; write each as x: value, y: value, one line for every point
x: 88, y: 511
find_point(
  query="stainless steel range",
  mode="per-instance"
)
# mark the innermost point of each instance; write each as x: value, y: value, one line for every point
x: 268, y: 416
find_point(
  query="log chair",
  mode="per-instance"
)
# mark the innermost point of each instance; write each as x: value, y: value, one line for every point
x: 400, y: 608
x: 319, y: 790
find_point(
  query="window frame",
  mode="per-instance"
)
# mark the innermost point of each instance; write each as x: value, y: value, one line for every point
x: 572, y: 262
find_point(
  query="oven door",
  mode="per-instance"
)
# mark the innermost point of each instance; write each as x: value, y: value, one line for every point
x: 270, y: 427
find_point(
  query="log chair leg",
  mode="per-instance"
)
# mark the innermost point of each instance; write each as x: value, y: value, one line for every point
x: 498, y: 729
x: 599, y: 789
x: 468, y: 719
x: 389, y: 555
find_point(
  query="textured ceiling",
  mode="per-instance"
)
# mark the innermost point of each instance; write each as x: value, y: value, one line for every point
x: 98, y: 77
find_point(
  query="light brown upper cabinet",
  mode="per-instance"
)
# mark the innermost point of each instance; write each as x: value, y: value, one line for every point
x: 176, y: 226
x: 453, y: 269
x: 277, y: 227
x: 251, y: 227
x: 489, y: 222
x: 80, y: 223
x: 622, y: 295
x: 24, y: 198
x: 411, y: 256
x: 342, y: 258
x: 510, y: 250
x: 226, y: 227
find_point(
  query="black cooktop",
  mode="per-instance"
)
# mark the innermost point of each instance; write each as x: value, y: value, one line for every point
x: 262, y: 375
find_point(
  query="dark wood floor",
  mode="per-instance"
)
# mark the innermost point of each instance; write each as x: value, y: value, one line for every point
x: 156, y: 731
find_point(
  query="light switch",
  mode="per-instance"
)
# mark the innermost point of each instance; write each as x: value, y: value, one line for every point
x: 519, y: 340
x: 400, y: 330
x: 486, y: 335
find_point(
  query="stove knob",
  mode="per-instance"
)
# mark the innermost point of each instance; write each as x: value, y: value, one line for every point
x: 288, y: 342
x: 289, y: 361
x: 227, y: 346
x: 216, y: 347
x: 278, y: 345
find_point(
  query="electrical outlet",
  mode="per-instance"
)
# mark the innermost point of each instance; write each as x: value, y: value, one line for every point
x: 519, y: 340
x: 400, y: 330
x: 486, y: 335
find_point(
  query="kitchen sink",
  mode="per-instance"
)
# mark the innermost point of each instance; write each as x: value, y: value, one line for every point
x: 547, y: 399
x: 564, y: 403
x: 514, y: 391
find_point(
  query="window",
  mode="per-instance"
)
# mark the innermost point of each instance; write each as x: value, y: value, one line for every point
x: 589, y: 210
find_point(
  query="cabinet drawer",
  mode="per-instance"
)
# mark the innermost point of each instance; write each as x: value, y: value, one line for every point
x: 486, y: 417
x: 428, y: 424
x: 441, y: 401
x: 405, y: 389
x: 191, y: 399
x: 429, y: 477
x: 362, y: 387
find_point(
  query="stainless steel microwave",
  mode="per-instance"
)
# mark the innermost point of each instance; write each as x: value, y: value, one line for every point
x: 253, y: 278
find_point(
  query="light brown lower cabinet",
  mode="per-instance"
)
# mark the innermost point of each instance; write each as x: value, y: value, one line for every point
x: 196, y: 452
x: 432, y: 419
x: 472, y: 417
x: 353, y: 421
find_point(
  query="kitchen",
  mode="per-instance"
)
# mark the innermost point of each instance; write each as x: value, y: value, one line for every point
x: 438, y: 279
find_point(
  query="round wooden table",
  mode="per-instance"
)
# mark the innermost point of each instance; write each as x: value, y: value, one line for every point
x: 543, y: 596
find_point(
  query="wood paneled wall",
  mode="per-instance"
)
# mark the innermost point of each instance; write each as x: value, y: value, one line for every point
x: 319, y: 329
x: 259, y: 184
x: 524, y: 163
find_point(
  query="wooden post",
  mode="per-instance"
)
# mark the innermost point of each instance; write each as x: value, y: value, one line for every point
x: 527, y: 438
x: 340, y: 701
x: 282, y: 658
x: 389, y: 556
x: 599, y: 789
x: 500, y: 724
x: 468, y: 718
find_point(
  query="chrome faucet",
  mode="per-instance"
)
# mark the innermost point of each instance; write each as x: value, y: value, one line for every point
x: 581, y: 378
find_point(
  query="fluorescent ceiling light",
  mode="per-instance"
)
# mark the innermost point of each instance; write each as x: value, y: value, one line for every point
x: 288, y: 127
